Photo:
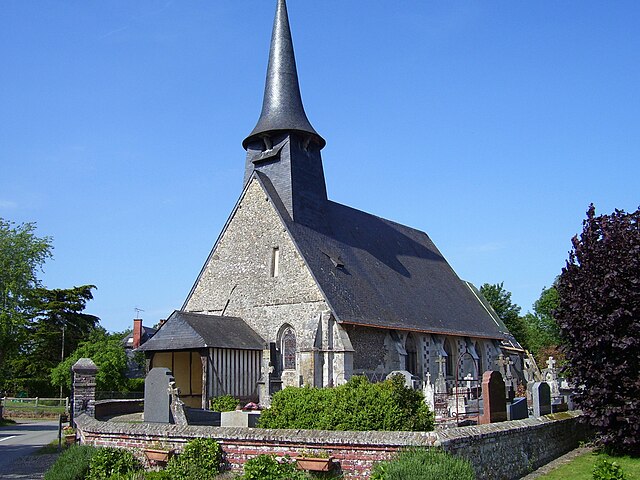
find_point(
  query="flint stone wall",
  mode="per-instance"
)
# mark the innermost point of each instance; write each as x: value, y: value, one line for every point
x: 500, y: 451
x: 238, y: 273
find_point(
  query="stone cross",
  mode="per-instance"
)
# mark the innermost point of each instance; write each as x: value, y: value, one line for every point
x: 551, y: 363
x: 441, y: 383
x: 429, y: 392
x: 468, y: 379
x: 427, y: 379
x: 441, y: 363
x: 502, y: 364
x: 507, y: 364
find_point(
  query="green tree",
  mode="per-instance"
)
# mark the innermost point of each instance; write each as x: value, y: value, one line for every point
x: 107, y: 352
x: 509, y: 312
x: 543, y: 334
x: 58, y: 327
x: 599, y: 320
x: 22, y: 255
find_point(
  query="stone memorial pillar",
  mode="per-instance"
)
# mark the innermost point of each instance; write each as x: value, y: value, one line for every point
x: 84, y: 388
x: 494, y: 398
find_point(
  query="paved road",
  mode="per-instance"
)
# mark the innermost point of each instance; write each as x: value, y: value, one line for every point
x: 24, y: 439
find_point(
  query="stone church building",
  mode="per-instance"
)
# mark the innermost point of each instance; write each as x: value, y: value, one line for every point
x: 300, y: 290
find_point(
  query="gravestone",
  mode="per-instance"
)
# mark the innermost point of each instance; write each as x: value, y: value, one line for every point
x: 559, y: 405
x: 441, y: 383
x: 457, y: 401
x: 84, y: 388
x: 550, y: 376
x: 493, y: 398
x: 429, y: 392
x: 239, y: 418
x: 518, y: 410
x: 157, y: 395
x: 531, y: 371
x: 541, y: 398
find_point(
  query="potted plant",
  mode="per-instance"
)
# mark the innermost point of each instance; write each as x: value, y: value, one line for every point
x: 158, y: 453
x: 69, y: 434
x: 316, y: 461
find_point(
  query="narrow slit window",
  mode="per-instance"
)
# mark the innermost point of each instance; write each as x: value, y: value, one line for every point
x: 275, y: 262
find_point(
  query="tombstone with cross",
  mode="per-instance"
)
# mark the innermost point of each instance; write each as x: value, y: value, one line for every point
x: 429, y: 392
x: 550, y: 375
x: 502, y: 363
x: 441, y: 383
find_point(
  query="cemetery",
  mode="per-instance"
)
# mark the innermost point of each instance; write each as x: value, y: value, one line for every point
x: 502, y: 436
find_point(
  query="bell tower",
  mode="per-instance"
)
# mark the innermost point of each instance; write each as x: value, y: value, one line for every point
x: 283, y: 147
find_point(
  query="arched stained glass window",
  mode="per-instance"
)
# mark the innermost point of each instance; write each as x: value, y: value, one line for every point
x: 289, y: 349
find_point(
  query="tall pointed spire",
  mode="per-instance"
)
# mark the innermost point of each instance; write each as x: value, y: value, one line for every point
x: 282, y: 108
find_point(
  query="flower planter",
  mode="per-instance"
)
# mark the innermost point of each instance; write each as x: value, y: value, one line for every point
x: 315, y: 464
x: 157, y: 456
x: 70, y: 438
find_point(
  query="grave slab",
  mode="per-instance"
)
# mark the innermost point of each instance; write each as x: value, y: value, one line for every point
x: 541, y: 398
x: 517, y: 410
x: 493, y: 397
x: 157, y: 401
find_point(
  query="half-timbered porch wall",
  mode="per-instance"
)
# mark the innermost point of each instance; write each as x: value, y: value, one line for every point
x: 186, y: 367
x: 235, y: 373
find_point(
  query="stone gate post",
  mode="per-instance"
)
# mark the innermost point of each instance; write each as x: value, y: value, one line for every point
x: 84, y: 388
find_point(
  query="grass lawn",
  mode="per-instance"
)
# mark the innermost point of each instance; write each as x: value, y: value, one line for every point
x: 28, y: 406
x: 51, y: 448
x: 581, y: 468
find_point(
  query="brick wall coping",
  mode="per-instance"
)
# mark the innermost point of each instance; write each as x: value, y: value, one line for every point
x: 178, y: 433
x: 495, y: 429
x: 119, y: 401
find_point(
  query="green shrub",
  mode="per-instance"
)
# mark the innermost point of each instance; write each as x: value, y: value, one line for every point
x: 199, y: 460
x: 605, y: 470
x: 223, y: 403
x: 72, y: 464
x: 356, y: 405
x: 266, y: 467
x: 112, y: 462
x: 160, y: 475
x: 424, y: 464
x: 135, y: 384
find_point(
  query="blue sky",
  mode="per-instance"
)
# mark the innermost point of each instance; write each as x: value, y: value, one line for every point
x: 491, y: 125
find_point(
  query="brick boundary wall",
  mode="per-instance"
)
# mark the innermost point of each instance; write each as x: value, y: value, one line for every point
x: 498, y: 451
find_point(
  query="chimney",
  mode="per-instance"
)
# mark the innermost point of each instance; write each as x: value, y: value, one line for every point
x: 137, y: 332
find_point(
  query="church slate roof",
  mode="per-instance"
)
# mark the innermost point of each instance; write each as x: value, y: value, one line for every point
x: 380, y: 273
x: 190, y: 331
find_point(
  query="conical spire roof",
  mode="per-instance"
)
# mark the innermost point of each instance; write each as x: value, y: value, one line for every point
x: 282, y: 108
